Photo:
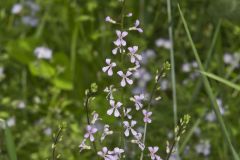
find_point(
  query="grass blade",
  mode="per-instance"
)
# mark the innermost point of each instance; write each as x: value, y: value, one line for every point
x: 222, y: 80
x: 209, y: 90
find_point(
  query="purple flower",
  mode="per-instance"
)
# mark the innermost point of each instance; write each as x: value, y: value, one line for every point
x: 137, y: 99
x: 110, y: 20
x: 126, y: 113
x: 109, y: 67
x: 110, y: 91
x: 134, y: 57
x: 120, y: 41
x: 104, y: 154
x: 90, y: 131
x: 135, y: 27
x: 153, y: 151
x: 138, y: 141
x: 114, y: 108
x: 146, y: 118
x: 129, y: 127
x: 125, y: 78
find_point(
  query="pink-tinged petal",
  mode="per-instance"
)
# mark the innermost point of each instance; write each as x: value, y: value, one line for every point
x: 129, y: 81
x: 124, y: 34
x: 110, y: 111
x: 126, y: 132
x: 112, y: 103
x: 94, y: 130
x: 133, y: 132
x: 128, y: 73
x: 123, y: 43
x: 139, y: 57
x: 126, y: 123
x: 149, y: 113
x: 119, y: 104
x: 86, y: 135
x: 118, y: 42
x: 114, y: 51
x: 91, y: 138
x: 140, y: 30
x: 141, y: 96
x: 110, y: 72
x: 144, y: 111
x: 120, y: 73
x: 132, y: 59
x: 118, y: 33
x: 107, y: 19
x: 104, y: 149
x: 155, y: 149
x: 88, y: 128
x: 135, y: 48
x: 108, y: 61
x: 137, y: 23
x: 104, y: 69
x: 123, y: 82
x: 150, y: 149
x: 133, y: 123
x: 130, y: 49
x: 116, y: 113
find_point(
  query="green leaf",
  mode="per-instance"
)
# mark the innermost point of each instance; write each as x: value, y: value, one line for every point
x: 222, y: 80
x: 62, y: 84
x: 41, y: 69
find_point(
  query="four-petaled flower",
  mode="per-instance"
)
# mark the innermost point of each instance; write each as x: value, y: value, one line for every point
x: 104, y: 154
x: 126, y: 113
x: 109, y: 67
x: 125, y: 78
x: 138, y: 141
x: 114, y: 108
x: 153, y: 151
x: 129, y: 127
x: 110, y: 91
x: 106, y: 131
x: 146, y: 118
x: 135, y: 27
x: 83, y: 146
x: 120, y: 41
x: 133, y: 56
x: 116, y: 153
x: 137, y: 99
x: 90, y: 131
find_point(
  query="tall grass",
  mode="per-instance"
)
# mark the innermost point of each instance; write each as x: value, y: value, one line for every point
x: 209, y: 90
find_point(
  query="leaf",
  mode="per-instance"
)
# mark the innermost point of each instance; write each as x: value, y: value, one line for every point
x: 41, y: 69
x: 62, y: 84
x: 222, y: 80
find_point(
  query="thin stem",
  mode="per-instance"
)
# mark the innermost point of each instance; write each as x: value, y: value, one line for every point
x: 148, y: 107
x: 88, y: 119
x: 173, y: 79
x: 55, y: 141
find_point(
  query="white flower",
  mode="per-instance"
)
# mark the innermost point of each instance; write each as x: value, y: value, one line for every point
x: 203, y: 147
x: 95, y: 117
x: 104, y: 154
x: 43, y: 53
x: 137, y: 99
x: 126, y: 113
x: 228, y: 58
x: 186, y: 67
x: 153, y: 151
x: 165, y: 43
x: 116, y: 153
x: 110, y: 91
x: 109, y: 67
x: 138, y: 141
x: 90, y: 131
x: 125, y: 78
x: 136, y: 24
x: 106, y: 131
x: 134, y: 57
x: 109, y: 19
x: 11, y: 122
x: 146, y: 118
x: 120, y: 41
x: 83, y: 146
x: 129, y: 127
x: 114, y: 108
x: 17, y: 8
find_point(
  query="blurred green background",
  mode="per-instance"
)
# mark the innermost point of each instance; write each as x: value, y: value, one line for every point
x: 37, y: 95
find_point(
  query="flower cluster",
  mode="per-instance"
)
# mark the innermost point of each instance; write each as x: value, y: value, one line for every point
x: 117, y: 108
